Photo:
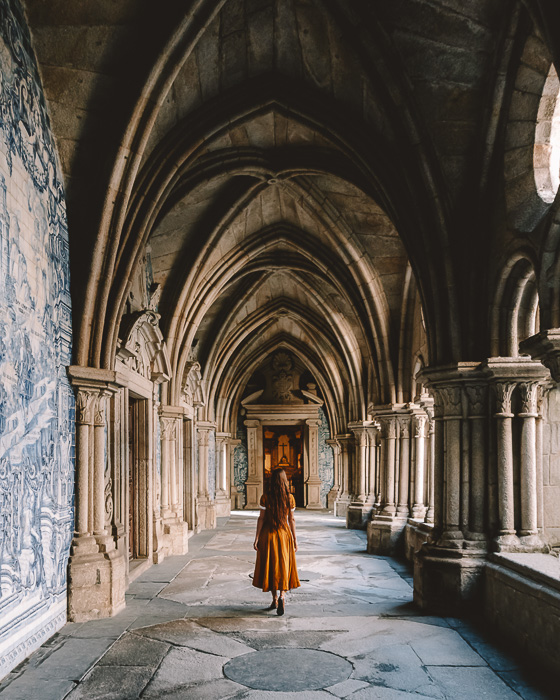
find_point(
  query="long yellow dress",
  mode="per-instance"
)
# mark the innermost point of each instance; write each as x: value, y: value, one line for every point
x: 275, y: 568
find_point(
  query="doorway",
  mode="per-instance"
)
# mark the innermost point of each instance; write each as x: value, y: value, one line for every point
x: 283, y: 447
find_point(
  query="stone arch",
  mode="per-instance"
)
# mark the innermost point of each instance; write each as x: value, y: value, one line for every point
x: 514, y: 315
x: 526, y: 136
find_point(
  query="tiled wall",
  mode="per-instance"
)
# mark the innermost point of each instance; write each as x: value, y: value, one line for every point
x: 326, y: 460
x: 36, y: 401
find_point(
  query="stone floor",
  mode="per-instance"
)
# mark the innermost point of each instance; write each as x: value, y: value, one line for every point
x: 194, y: 627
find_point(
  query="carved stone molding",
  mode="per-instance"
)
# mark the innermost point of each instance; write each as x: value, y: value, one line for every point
x: 477, y: 397
x: 545, y: 346
x: 420, y: 423
x: 168, y: 428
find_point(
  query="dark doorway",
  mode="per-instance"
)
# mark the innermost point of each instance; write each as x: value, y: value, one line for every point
x: 283, y: 447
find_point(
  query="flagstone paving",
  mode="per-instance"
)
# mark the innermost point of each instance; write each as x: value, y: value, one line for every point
x: 195, y: 627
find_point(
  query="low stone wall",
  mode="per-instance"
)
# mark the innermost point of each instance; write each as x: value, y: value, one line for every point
x: 522, y: 602
x: 416, y: 533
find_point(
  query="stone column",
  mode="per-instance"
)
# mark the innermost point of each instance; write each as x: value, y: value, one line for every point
x: 418, y: 508
x: 175, y: 536
x: 372, y: 489
x: 254, y: 483
x: 312, y: 481
x: 447, y: 570
x: 206, y: 507
x: 403, y: 509
x: 97, y: 570
x: 335, y: 490
x: 528, y: 468
x: 343, y: 500
x: 359, y: 511
x: 477, y: 398
x: 388, y: 455
x: 223, y: 501
x: 504, y: 451
x: 386, y: 528
x: 431, y: 462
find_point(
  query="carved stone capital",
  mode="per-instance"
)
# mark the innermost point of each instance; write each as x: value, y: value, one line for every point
x: 420, y: 423
x: 404, y: 426
x: 84, y: 406
x: 477, y: 398
x: 503, y: 392
x: 528, y: 392
x: 168, y: 428
x: 388, y: 427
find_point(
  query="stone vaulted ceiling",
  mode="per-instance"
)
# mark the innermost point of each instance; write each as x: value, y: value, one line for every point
x: 302, y: 173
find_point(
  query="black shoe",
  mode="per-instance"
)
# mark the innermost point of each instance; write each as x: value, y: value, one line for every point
x: 272, y: 606
x: 280, y: 609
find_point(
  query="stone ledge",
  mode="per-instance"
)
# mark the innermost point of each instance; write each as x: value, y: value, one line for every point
x: 541, y: 568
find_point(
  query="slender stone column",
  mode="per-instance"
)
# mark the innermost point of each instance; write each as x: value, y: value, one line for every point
x: 388, y: 451
x: 359, y: 510
x: 477, y: 396
x: 431, y: 462
x: 418, y: 508
x: 540, y: 438
x: 372, y: 465
x: 335, y: 490
x: 504, y: 451
x: 452, y: 405
x: 223, y: 501
x: 84, y: 417
x: 529, y: 528
x: 99, y: 466
x: 343, y: 499
x: 254, y: 483
x: 206, y: 507
x: 403, y: 509
x: 168, y: 437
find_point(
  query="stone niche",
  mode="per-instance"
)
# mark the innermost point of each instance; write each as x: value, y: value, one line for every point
x: 281, y: 402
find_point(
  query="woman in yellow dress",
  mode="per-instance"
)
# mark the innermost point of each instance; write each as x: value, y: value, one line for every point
x: 276, y: 542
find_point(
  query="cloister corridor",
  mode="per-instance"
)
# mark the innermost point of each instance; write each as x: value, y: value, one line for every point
x: 350, y: 631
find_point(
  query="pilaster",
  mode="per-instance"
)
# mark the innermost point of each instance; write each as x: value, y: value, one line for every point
x: 223, y: 500
x: 96, y: 569
x: 206, y: 506
x: 359, y: 510
x: 175, y: 531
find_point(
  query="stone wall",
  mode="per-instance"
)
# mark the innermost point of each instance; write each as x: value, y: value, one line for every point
x: 36, y: 401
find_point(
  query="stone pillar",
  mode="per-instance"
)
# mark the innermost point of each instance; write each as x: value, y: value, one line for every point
x: 403, y: 509
x: 359, y: 510
x: 507, y: 536
x: 335, y: 490
x: 372, y: 489
x: 312, y: 482
x: 386, y: 528
x: 477, y: 399
x: 528, y: 468
x: 447, y: 570
x: 96, y: 568
x: 175, y: 537
x: 343, y: 499
x: 431, y: 463
x: 206, y: 507
x: 418, y: 508
x: 254, y: 484
x: 223, y: 501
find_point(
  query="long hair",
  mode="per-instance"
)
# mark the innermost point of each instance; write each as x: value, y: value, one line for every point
x: 278, y: 498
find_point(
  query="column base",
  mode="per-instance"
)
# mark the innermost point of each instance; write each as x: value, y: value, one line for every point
x: 447, y: 581
x: 524, y: 544
x: 331, y: 498
x: 313, y: 494
x: 206, y: 515
x: 341, y: 505
x: 222, y: 505
x: 385, y: 535
x: 254, y: 491
x: 175, y: 537
x: 96, y: 585
x: 358, y: 515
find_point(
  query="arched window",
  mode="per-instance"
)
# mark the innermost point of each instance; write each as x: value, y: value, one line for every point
x: 546, y: 154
